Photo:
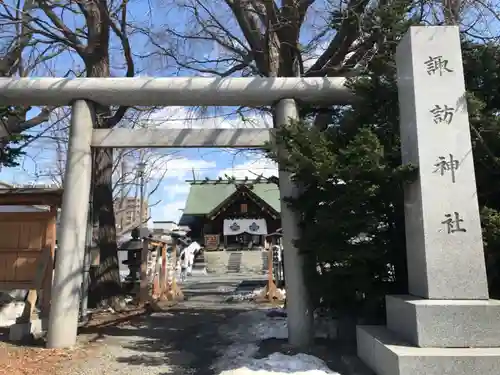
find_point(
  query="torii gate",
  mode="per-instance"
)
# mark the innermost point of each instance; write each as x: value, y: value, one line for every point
x: 81, y: 93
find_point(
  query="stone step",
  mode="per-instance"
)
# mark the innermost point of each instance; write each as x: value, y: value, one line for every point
x: 387, y: 354
x: 265, y: 259
x: 234, y: 262
x: 222, y: 262
x: 216, y: 261
x: 199, y: 263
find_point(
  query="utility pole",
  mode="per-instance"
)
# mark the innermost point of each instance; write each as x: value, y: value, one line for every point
x: 141, y: 170
x: 143, y: 294
x: 122, y: 191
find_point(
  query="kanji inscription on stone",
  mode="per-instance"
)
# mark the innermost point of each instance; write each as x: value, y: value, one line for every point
x: 447, y: 164
x: 437, y: 65
x: 452, y: 222
x: 442, y: 114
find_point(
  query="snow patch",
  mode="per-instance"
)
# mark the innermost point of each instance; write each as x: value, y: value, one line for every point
x: 249, y: 296
x: 283, y: 292
x: 246, y: 331
x: 10, y: 312
x: 278, y: 363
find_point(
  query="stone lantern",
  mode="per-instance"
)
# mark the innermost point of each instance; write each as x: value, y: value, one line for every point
x: 133, y: 247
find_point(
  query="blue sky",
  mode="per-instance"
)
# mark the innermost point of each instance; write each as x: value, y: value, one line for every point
x: 171, y: 193
x: 44, y: 155
x: 172, y: 189
x: 169, y: 168
x: 44, y: 161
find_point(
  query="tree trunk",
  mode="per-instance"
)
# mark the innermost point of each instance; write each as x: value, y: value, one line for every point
x: 105, y: 279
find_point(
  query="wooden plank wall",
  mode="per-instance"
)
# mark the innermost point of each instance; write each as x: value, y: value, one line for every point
x: 23, y: 235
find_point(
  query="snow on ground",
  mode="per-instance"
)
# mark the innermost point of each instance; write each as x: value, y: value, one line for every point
x: 249, y: 296
x: 278, y: 364
x: 224, y: 289
x: 10, y: 312
x: 246, y: 330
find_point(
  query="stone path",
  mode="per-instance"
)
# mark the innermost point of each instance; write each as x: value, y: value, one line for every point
x: 190, y: 337
x: 184, y: 340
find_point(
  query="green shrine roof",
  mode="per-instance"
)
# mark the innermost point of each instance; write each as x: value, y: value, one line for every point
x: 204, y: 196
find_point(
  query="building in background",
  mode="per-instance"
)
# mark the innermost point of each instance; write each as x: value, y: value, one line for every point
x: 128, y: 212
x: 164, y: 227
x: 234, y: 214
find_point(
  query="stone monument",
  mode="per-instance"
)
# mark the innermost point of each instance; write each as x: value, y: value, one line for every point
x: 448, y: 325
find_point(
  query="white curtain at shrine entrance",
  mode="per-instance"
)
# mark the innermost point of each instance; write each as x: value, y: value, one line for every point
x: 234, y: 227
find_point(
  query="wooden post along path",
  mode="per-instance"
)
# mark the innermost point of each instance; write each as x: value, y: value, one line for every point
x: 162, y: 271
x: 173, y: 291
x: 144, y: 284
x: 271, y: 291
x: 157, y: 269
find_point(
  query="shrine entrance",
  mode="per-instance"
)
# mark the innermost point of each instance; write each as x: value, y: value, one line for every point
x: 82, y: 93
x: 447, y: 275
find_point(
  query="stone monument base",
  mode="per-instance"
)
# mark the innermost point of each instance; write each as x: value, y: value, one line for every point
x: 23, y: 331
x: 428, y: 323
x: 386, y: 354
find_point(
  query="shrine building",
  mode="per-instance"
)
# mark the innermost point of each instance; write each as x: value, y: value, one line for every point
x: 232, y: 214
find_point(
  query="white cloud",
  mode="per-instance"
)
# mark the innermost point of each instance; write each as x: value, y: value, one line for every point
x: 173, y: 210
x: 181, y: 168
x: 175, y: 187
x: 184, y: 117
x: 162, y: 166
x: 251, y: 169
x: 175, y: 190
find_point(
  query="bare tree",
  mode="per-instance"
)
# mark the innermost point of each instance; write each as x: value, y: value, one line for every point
x: 20, y: 56
x: 289, y: 38
x: 262, y: 38
x: 128, y: 181
x: 50, y: 152
x: 84, y: 30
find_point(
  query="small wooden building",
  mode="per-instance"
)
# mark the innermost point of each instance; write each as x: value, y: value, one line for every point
x: 25, y: 234
x: 232, y: 214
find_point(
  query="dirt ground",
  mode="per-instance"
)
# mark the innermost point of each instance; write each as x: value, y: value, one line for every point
x: 19, y: 360
x: 118, y: 343
x: 32, y: 358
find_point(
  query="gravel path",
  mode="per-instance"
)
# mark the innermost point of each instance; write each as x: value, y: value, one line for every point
x: 184, y: 340
x: 190, y: 338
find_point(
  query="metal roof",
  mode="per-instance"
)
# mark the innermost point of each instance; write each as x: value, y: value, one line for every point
x: 204, y: 196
